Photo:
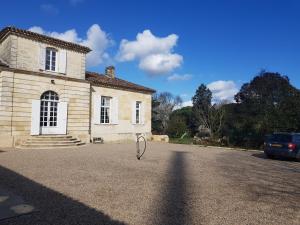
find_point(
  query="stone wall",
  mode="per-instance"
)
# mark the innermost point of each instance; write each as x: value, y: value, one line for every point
x: 22, y: 53
x: 124, y: 130
x: 6, y: 50
x: 17, y: 92
x: 6, y: 81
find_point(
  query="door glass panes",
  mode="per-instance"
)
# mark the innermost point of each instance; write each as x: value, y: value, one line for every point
x: 48, y: 112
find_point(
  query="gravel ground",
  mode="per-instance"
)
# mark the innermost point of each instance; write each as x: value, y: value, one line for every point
x: 172, y: 184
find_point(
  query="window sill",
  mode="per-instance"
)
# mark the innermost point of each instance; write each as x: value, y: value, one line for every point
x: 52, y: 72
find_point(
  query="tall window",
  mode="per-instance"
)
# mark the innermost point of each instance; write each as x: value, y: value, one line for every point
x: 105, y: 110
x: 51, y: 56
x: 137, y: 112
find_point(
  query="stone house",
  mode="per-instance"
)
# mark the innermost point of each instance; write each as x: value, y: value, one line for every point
x: 45, y: 91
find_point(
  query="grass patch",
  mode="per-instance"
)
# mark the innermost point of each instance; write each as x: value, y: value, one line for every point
x: 185, y: 140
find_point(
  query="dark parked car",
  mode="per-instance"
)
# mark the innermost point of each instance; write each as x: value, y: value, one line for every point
x: 283, y: 144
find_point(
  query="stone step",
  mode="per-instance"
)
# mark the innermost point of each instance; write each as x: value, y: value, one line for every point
x: 52, y: 145
x: 51, y: 136
x: 51, y: 142
x: 51, y: 139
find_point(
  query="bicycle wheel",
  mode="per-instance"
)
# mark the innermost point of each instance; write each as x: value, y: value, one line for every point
x: 140, y: 147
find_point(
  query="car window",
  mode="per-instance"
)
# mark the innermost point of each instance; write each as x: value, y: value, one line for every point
x: 281, y: 138
x: 296, y: 138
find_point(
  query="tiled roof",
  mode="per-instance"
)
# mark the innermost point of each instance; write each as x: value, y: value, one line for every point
x: 102, y: 80
x: 3, y: 63
x: 42, y: 38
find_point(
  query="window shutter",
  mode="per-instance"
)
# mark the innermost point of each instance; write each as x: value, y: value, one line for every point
x: 42, y: 57
x: 35, y: 117
x: 142, y: 112
x: 62, y: 65
x: 133, y: 113
x: 97, y: 105
x: 62, y: 114
x: 115, y: 111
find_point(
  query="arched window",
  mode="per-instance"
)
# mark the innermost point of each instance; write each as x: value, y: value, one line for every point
x: 51, y: 59
x: 48, y: 112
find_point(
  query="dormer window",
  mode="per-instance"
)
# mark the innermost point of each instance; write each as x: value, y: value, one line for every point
x: 51, y: 59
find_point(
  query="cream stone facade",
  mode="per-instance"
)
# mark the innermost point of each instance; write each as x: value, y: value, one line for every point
x: 27, y: 105
x: 124, y: 128
x: 17, y: 92
x: 21, y: 53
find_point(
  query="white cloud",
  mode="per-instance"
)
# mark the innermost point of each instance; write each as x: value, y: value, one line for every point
x: 223, y: 90
x: 49, y: 8
x: 36, y: 29
x: 96, y: 39
x: 160, y: 63
x: 176, y: 77
x: 155, y: 54
x: 187, y: 103
x: 184, y: 104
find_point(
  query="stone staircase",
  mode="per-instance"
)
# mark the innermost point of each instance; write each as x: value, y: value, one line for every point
x: 50, y: 141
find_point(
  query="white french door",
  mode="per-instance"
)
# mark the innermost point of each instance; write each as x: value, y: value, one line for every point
x: 49, y: 116
x: 48, y: 113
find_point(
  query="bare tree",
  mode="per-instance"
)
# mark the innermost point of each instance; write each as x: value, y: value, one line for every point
x: 167, y: 103
x: 209, y: 117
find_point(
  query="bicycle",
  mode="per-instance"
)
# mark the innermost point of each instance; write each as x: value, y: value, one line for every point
x: 141, y: 144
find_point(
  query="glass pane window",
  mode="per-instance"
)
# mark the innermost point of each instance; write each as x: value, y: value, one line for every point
x: 137, y: 112
x: 50, y: 59
x: 48, y: 112
x: 105, y: 110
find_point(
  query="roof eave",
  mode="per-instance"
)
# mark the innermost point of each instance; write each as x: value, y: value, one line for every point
x: 4, y: 33
x: 122, y: 88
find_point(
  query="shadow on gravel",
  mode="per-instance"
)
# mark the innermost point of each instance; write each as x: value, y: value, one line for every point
x: 263, y: 156
x: 260, y: 155
x: 273, y: 182
x: 172, y: 208
x: 53, y: 207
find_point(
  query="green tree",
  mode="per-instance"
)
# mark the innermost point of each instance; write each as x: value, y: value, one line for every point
x: 165, y: 103
x: 206, y: 115
x: 177, y: 126
x: 180, y: 122
x: 156, y: 122
x: 265, y: 105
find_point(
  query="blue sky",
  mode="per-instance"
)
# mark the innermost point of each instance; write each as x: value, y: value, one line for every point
x: 181, y: 44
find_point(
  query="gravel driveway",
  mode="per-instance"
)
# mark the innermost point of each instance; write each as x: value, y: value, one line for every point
x: 172, y: 184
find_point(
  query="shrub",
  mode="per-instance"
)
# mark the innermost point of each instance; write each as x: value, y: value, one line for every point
x: 176, y: 127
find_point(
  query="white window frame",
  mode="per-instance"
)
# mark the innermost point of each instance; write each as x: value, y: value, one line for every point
x: 109, y: 100
x: 51, y: 51
x: 138, y: 106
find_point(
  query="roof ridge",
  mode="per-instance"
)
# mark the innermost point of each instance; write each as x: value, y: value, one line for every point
x: 42, y: 37
x: 3, y: 63
x: 101, y: 79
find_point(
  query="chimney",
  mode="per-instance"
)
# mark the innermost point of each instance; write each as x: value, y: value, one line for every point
x: 110, y: 71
